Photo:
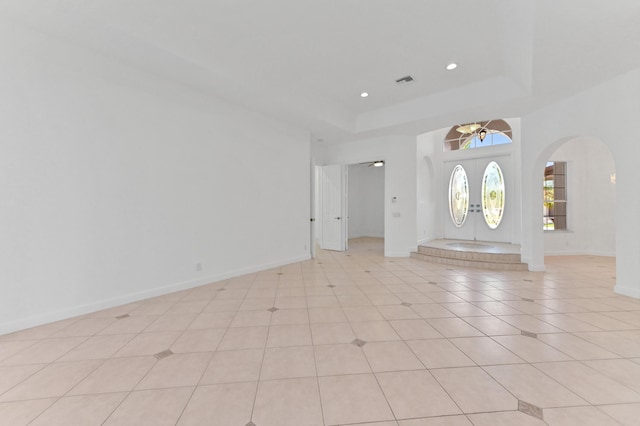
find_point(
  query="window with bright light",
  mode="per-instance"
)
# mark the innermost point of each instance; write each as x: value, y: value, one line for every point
x: 554, y: 215
x: 478, y: 135
x: 493, y: 195
x: 458, y: 196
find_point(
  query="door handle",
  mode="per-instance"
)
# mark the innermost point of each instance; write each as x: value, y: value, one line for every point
x: 337, y: 218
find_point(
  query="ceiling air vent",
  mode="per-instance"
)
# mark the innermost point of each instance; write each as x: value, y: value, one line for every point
x: 405, y: 80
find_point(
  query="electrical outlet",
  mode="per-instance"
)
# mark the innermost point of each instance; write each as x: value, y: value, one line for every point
x: 198, y: 266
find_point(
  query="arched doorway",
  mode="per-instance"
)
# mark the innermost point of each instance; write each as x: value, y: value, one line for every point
x: 479, y: 169
x: 589, y: 192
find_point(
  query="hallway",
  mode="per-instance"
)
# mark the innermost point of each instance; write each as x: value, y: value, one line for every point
x: 347, y: 338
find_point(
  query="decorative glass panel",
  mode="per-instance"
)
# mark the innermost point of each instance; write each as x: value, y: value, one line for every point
x: 458, y: 195
x: 478, y: 134
x: 493, y: 195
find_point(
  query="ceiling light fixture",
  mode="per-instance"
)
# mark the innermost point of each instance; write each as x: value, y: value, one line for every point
x: 378, y: 163
x: 473, y: 129
x: 364, y: 94
x: 452, y: 66
x: 468, y: 128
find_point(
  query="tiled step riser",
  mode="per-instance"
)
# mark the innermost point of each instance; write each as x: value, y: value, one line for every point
x: 469, y: 256
x: 469, y: 263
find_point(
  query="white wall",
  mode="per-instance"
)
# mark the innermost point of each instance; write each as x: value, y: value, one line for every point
x: 114, y: 184
x: 399, y: 155
x: 429, y: 180
x: 591, y: 200
x: 604, y: 113
x: 365, y: 197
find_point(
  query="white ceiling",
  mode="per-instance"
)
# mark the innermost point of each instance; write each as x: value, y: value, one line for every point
x: 306, y: 61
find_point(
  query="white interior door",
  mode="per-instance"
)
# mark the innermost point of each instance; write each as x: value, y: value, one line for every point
x: 475, y: 226
x: 333, y: 234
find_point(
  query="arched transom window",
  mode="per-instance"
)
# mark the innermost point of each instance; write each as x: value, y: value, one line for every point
x: 477, y: 135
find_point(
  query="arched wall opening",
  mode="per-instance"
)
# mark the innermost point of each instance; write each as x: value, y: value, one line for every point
x: 590, y: 198
x: 582, y: 153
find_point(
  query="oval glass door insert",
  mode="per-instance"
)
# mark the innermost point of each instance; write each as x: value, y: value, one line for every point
x: 493, y: 195
x: 458, y: 196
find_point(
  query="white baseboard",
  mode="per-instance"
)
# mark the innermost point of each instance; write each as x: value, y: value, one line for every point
x: 49, y: 317
x: 541, y: 268
x: 371, y: 235
x: 627, y: 291
x: 536, y: 268
x: 580, y: 253
x: 397, y: 254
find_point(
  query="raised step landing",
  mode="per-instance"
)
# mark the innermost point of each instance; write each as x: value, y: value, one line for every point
x: 474, y: 254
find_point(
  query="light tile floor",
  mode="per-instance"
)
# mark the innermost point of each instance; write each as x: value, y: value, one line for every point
x: 347, y: 338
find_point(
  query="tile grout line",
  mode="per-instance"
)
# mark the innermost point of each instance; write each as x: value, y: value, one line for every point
x: 373, y: 374
x: 264, y: 353
x: 349, y: 277
x: 315, y: 363
x: 133, y: 389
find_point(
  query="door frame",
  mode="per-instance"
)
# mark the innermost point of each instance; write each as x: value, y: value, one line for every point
x: 349, y: 195
x: 342, y: 209
x: 481, y: 156
x: 316, y: 189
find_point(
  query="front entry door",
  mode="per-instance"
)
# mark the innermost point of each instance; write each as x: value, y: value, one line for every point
x: 475, y: 226
x: 332, y: 187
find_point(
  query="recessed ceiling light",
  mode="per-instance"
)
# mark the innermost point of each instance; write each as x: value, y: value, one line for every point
x: 364, y: 94
x: 452, y: 66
